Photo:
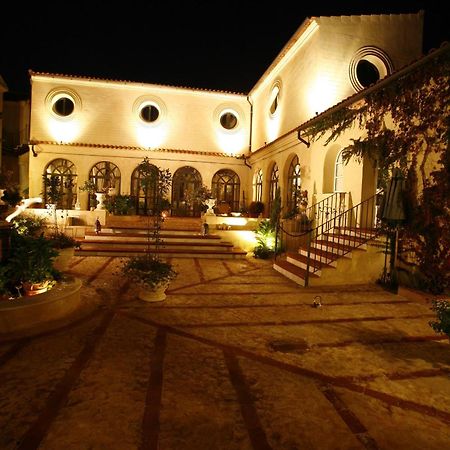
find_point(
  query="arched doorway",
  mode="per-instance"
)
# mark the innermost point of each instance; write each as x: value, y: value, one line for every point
x: 144, y: 196
x: 185, y: 182
x: 60, y: 179
x: 104, y: 175
x: 226, y: 188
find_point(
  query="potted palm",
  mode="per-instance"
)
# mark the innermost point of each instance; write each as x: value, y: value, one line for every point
x: 149, y: 272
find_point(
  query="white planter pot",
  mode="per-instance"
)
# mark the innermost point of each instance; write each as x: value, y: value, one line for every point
x: 100, y: 197
x: 157, y: 294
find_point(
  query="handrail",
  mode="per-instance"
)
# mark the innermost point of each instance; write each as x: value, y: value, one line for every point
x: 333, y: 238
x: 314, y: 216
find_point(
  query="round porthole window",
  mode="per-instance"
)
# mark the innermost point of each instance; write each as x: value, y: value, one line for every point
x: 149, y: 113
x: 228, y: 120
x: 64, y: 106
x: 63, y: 103
x: 369, y: 65
x: 149, y: 110
x: 274, y: 99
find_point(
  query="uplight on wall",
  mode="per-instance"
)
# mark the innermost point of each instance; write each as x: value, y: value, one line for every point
x: 230, y: 134
x: 64, y: 131
x: 151, y: 121
x: 151, y: 136
x: 321, y: 95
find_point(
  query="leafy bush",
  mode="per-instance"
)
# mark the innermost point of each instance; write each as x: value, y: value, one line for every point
x: 442, y: 310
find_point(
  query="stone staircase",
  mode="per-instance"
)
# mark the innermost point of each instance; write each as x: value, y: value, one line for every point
x: 133, y: 235
x: 339, y: 256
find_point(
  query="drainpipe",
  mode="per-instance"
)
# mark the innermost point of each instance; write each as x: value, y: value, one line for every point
x: 251, y: 125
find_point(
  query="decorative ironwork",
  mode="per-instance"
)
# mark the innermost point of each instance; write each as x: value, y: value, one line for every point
x: 294, y: 183
x: 226, y: 188
x: 186, y: 182
x: 274, y: 183
x: 144, y: 196
x: 105, y: 175
x: 60, y: 174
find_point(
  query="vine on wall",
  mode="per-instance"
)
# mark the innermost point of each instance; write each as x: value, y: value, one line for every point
x: 406, y: 124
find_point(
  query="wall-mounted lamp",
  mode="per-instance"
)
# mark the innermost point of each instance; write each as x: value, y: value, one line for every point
x: 302, y: 140
x: 245, y: 160
x: 33, y: 150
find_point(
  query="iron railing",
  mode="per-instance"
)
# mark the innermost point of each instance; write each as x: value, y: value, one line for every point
x: 326, y: 241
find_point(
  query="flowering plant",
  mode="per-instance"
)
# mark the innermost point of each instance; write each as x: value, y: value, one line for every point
x: 442, y: 310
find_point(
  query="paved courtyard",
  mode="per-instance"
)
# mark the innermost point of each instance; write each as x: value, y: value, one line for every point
x: 236, y: 357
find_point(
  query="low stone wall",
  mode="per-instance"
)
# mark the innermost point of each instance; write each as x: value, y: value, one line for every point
x: 43, y: 311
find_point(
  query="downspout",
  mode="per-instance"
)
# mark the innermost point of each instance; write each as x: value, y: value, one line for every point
x: 251, y: 125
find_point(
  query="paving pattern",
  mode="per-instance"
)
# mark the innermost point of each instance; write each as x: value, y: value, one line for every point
x: 236, y: 357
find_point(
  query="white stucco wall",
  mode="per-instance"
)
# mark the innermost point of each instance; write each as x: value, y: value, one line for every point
x: 107, y: 112
x: 315, y: 74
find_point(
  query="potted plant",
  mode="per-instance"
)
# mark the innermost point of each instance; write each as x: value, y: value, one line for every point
x: 151, y: 274
x: 91, y: 187
x: 30, y: 264
x: 256, y: 208
x: 442, y: 322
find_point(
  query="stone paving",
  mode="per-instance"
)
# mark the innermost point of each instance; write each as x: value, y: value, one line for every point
x: 236, y: 357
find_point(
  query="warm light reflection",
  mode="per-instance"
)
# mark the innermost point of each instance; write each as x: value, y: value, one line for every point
x: 64, y: 131
x: 151, y: 136
x: 321, y: 95
x: 273, y: 127
x: 231, y: 143
x: 24, y: 204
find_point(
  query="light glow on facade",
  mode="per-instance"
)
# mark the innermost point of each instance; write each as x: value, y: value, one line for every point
x: 321, y: 95
x: 64, y: 131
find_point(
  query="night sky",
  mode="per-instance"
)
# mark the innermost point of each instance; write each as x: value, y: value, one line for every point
x: 224, y: 45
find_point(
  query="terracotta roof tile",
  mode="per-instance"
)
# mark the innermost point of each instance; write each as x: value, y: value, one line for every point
x: 109, y: 80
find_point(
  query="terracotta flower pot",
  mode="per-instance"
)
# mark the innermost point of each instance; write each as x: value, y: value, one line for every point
x: 31, y: 289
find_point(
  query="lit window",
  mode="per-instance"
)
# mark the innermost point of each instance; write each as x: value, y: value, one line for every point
x: 339, y: 174
x: 258, y: 185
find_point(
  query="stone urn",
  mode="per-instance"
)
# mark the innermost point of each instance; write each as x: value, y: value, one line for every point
x: 100, y: 197
x: 210, y: 203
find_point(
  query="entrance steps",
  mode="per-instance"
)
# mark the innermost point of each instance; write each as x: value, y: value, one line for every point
x: 133, y: 236
x: 341, y: 256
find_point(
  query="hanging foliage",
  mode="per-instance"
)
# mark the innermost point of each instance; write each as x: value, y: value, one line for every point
x: 405, y: 123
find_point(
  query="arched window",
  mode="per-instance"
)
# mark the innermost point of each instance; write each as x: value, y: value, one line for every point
x: 185, y: 182
x: 226, y: 188
x: 104, y: 175
x: 258, y: 186
x: 60, y: 179
x: 144, y: 196
x: 339, y: 173
x: 294, y: 183
x: 274, y: 182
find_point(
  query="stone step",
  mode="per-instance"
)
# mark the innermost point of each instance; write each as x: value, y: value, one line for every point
x: 291, y: 271
x: 233, y: 252
x: 143, y: 237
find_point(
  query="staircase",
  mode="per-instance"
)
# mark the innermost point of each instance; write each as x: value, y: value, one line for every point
x: 340, y: 250
x: 133, y: 235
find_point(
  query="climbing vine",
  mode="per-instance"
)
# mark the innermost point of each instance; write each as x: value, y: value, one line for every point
x: 406, y: 125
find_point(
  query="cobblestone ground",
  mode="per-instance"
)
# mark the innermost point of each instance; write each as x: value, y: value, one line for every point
x: 236, y: 357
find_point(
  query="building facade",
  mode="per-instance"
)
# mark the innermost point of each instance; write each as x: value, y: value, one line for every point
x: 241, y: 145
